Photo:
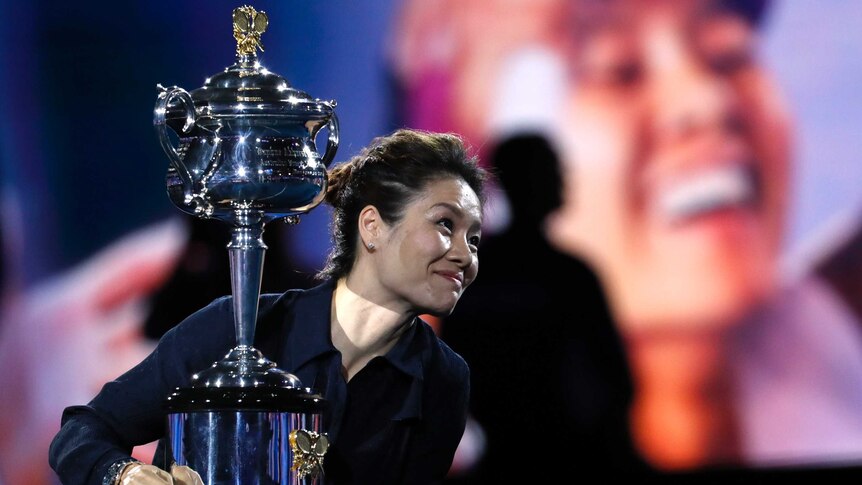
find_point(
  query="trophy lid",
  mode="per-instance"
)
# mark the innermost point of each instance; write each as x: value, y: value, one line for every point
x: 247, y: 88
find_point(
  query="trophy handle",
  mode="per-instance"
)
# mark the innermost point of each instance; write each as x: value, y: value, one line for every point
x: 166, y: 95
x: 332, y: 141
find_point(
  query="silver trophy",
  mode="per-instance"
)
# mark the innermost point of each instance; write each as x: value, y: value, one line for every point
x: 243, y: 151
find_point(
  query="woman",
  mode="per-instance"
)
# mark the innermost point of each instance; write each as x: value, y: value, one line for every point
x: 406, y: 229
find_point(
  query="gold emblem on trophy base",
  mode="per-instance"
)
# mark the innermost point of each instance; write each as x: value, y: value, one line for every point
x: 308, y: 448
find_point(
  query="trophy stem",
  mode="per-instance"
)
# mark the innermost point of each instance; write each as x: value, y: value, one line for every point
x: 244, y: 366
x: 246, y: 250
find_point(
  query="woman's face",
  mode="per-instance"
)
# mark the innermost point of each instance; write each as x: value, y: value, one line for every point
x: 676, y: 164
x: 430, y: 255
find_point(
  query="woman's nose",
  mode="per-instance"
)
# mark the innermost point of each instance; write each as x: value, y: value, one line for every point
x: 460, y: 251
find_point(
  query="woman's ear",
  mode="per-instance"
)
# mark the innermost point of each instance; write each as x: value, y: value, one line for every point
x: 370, y: 226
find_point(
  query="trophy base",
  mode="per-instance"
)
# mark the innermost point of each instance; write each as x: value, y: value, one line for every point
x: 242, y: 435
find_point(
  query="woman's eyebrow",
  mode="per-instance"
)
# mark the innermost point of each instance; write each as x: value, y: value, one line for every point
x: 448, y: 205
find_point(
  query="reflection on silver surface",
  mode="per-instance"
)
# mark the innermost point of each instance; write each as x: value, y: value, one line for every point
x: 232, y: 156
x: 239, y: 445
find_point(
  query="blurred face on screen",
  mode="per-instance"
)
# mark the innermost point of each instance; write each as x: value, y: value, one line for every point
x: 676, y: 156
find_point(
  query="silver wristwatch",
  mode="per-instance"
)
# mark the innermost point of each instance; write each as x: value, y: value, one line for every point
x: 113, y: 475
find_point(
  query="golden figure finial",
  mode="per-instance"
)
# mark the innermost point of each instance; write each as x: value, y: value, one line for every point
x: 248, y: 24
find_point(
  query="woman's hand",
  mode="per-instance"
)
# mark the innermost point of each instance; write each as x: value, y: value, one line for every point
x: 143, y: 474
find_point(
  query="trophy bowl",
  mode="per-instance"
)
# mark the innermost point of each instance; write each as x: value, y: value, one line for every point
x: 246, y: 141
x: 242, y: 150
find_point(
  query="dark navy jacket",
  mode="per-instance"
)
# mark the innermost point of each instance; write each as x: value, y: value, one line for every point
x: 398, y: 420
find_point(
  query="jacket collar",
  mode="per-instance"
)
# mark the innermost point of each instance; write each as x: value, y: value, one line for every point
x: 310, y: 336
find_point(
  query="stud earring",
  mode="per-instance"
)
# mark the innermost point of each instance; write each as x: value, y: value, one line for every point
x: 371, y: 245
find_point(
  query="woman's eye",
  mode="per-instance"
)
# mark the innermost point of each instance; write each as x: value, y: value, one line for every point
x: 730, y: 62
x: 610, y: 59
x: 447, y: 223
x: 726, y: 43
x: 474, y: 241
x: 614, y: 75
x: 623, y: 74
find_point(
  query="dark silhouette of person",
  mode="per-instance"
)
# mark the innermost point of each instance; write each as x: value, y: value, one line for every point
x: 550, y: 384
x: 841, y: 269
